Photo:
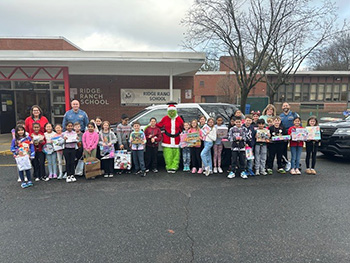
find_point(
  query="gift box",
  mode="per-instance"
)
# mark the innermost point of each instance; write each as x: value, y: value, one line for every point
x: 92, y: 167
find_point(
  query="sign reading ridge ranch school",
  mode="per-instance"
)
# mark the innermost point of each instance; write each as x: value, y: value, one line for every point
x: 140, y: 97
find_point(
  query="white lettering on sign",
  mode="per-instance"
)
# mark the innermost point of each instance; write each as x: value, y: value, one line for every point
x: 139, y: 97
x: 92, y: 96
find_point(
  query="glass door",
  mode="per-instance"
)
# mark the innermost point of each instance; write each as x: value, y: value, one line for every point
x: 7, y: 112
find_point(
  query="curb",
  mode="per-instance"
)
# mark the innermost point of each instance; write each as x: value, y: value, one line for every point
x: 7, y: 152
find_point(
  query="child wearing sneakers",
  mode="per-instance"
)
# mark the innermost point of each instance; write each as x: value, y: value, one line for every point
x: 154, y: 137
x: 186, y: 151
x: 106, y: 143
x: 71, y: 139
x: 196, y: 150
x: 209, y: 139
x: 237, y: 135
x: 311, y: 148
x: 58, y: 130
x: 38, y: 162
x: 260, y: 152
x: 276, y: 147
x: 295, y: 147
x: 218, y: 146
x: 137, y: 144
x: 51, y: 155
x: 251, y: 143
x: 22, y: 146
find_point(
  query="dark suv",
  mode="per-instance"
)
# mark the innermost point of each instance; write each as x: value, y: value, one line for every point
x: 335, y: 138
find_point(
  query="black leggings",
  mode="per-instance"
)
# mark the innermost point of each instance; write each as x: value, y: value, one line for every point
x: 69, y: 156
x: 196, y: 157
x: 311, y: 151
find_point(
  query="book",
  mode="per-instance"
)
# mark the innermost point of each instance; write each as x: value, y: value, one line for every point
x: 313, y: 133
x: 299, y: 134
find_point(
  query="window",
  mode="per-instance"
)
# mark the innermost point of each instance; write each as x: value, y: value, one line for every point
x: 313, y: 91
x: 344, y: 92
x: 189, y: 114
x: 201, y: 83
x: 289, y: 93
x: 5, y: 85
x: 214, y: 110
x: 158, y: 114
x: 305, y: 90
x: 336, y: 92
x: 320, y: 95
x: 328, y: 95
x: 297, y: 92
x: 282, y: 93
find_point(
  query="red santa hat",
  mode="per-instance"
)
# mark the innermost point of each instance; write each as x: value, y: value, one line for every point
x: 171, y: 107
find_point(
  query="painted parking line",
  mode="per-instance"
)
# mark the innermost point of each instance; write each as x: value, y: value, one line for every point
x: 8, y: 165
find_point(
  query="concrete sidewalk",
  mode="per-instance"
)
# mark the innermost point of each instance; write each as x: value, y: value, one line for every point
x: 5, y: 143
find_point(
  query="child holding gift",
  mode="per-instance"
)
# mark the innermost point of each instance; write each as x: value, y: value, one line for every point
x: 137, y: 145
x: 22, y: 146
x: 311, y: 148
x: 295, y: 147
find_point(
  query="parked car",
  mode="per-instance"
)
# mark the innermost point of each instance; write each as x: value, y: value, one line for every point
x: 335, y: 138
x: 188, y: 111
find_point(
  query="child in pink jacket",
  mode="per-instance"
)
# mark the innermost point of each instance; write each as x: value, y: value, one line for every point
x: 90, y: 141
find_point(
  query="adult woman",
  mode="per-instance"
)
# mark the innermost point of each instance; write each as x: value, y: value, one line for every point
x: 268, y: 112
x: 36, y: 116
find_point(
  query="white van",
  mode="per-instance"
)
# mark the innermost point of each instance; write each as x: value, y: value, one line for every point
x: 188, y: 111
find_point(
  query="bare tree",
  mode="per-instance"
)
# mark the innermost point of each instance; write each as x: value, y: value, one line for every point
x: 228, y: 87
x: 252, y: 31
x: 335, y: 56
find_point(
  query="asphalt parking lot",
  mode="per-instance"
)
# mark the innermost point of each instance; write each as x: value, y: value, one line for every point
x: 178, y: 218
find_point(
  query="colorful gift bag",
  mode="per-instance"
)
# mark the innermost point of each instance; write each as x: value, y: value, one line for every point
x: 249, y: 153
x: 122, y: 160
x: 23, y: 163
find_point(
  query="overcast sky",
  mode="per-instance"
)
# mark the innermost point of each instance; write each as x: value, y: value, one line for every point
x: 134, y: 25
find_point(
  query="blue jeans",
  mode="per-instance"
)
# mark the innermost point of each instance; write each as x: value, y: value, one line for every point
x: 138, y: 159
x: 52, y: 162
x: 186, y: 156
x: 296, y: 153
x: 206, y: 155
x: 21, y: 175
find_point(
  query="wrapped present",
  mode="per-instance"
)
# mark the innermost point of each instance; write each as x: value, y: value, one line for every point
x: 122, y: 160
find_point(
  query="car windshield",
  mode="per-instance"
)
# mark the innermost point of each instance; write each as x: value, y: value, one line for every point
x: 138, y: 114
x: 225, y: 110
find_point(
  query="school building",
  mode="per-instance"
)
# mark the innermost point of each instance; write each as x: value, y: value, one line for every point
x: 50, y: 72
x: 326, y: 91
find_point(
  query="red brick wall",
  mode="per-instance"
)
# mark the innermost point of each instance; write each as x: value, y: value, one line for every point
x: 110, y: 89
x: 35, y: 44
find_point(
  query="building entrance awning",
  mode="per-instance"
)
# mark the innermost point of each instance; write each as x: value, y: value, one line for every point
x: 109, y: 62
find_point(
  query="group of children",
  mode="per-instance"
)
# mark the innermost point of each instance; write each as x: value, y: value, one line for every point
x: 251, y: 143
x: 246, y: 147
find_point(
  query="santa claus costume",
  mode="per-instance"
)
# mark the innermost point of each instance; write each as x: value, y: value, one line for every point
x: 172, y: 124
